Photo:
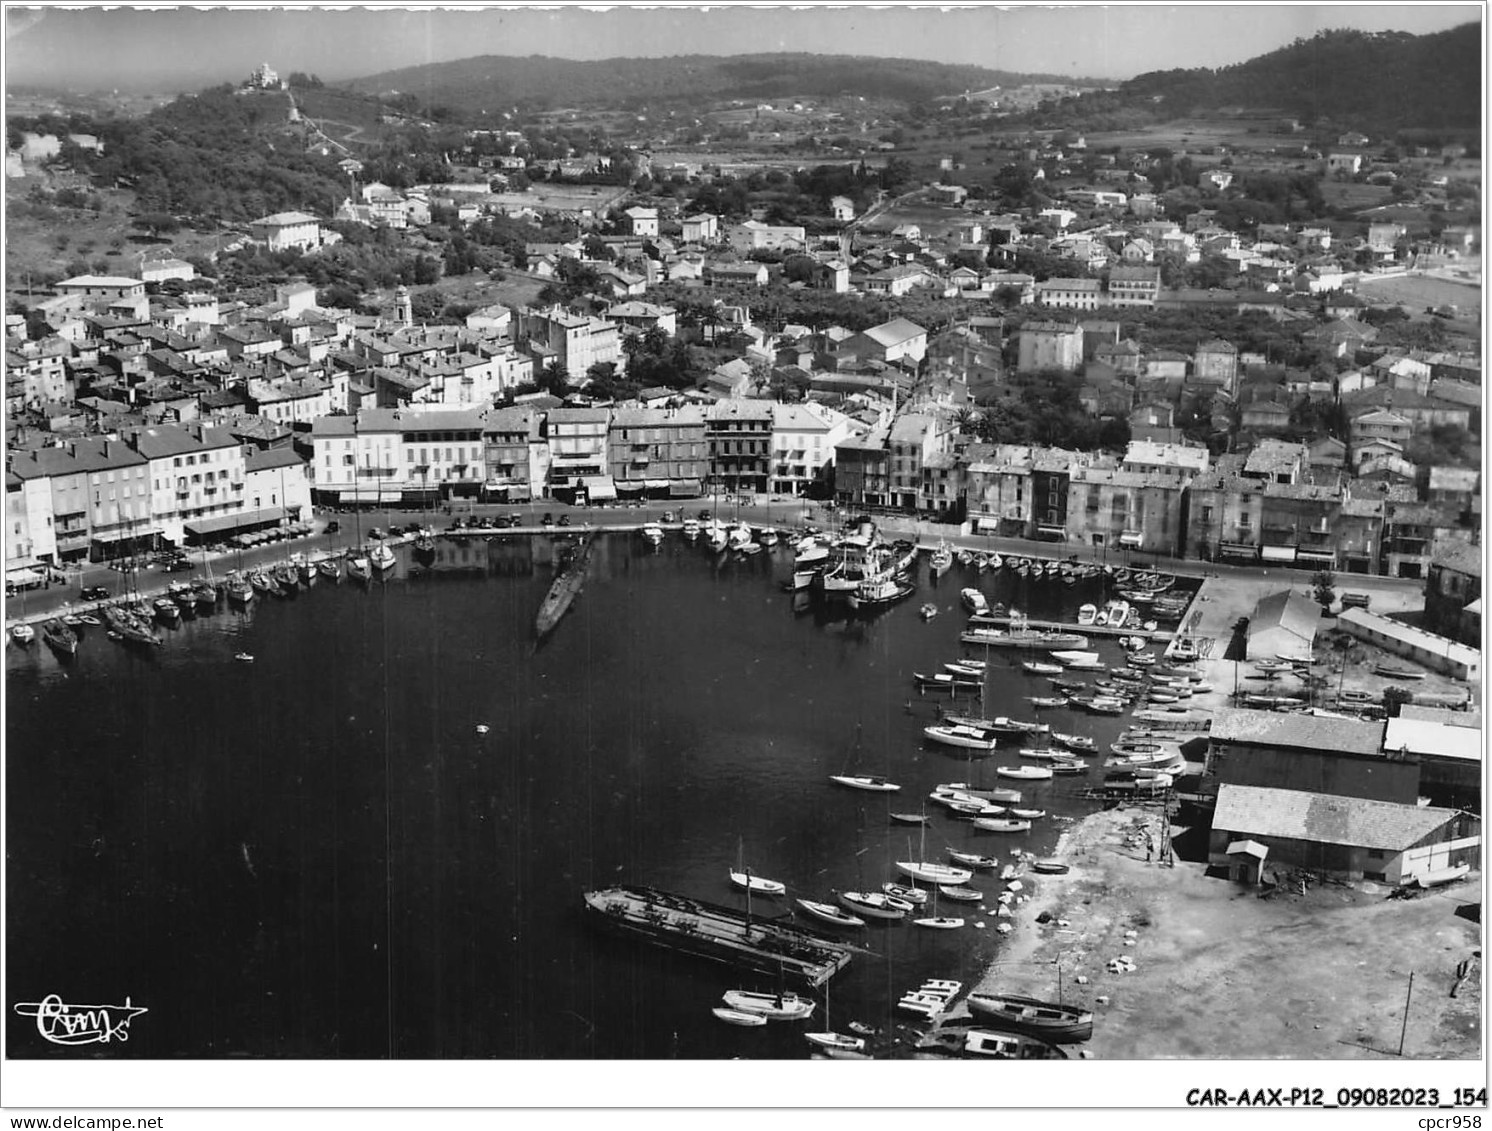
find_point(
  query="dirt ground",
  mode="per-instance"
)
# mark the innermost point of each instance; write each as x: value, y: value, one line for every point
x: 1221, y: 973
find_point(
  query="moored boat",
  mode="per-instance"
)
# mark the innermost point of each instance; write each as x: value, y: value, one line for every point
x: 874, y: 904
x: 1002, y: 824
x: 60, y: 637
x: 1024, y: 773
x: 836, y: 1042
x: 381, y: 557
x: 963, y: 1041
x: 739, y: 1017
x: 757, y: 885
x: 1058, y: 1024
x: 828, y: 913
x: 869, y: 782
x: 934, y: 873
x: 975, y: 601
x: 772, y: 1007
x: 964, y: 737
x: 960, y: 894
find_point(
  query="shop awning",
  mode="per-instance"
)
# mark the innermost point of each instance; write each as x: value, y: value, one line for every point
x: 225, y: 522
x: 23, y: 576
x: 519, y: 493
x: 986, y: 526
x: 685, y: 488
x: 1054, y: 532
x: 1325, y: 557
x: 655, y: 484
x: 630, y: 486
x: 1131, y: 539
x: 1237, y: 550
x: 1277, y: 553
x: 599, y: 487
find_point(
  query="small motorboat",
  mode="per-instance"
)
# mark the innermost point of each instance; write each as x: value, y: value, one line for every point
x: 23, y: 634
x: 1087, y: 614
x: 1040, y: 667
x: 874, y: 904
x: 960, y: 894
x: 739, y: 1017
x: 1028, y: 814
x: 773, y: 1007
x: 1024, y: 773
x: 1068, y: 766
x: 913, y: 895
x: 909, y: 818
x: 928, y: 611
x: 828, y: 913
x: 975, y: 601
x: 1073, y: 741
x: 973, y: 859
x: 973, y: 670
x: 1047, y: 700
x: 1049, y: 867
x: 652, y: 533
x: 1393, y: 672
x: 865, y: 781
x: 836, y: 1042
x: 757, y: 885
x: 945, y: 681
x: 982, y: 793
x: 244, y: 657
x: 1002, y: 825
x: 964, y: 737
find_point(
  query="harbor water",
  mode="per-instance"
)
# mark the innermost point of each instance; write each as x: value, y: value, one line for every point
x: 372, y: 841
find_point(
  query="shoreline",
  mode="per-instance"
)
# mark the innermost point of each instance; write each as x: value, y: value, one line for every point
x: 1221, y: 971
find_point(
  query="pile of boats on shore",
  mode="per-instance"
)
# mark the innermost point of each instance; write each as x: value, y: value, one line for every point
x: 133, y: 619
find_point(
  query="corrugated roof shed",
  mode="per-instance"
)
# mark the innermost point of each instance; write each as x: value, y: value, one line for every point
x: 1418, y: 736
x: 1270, y: 728
x: 1295, y: 614
x: 1322, y: 818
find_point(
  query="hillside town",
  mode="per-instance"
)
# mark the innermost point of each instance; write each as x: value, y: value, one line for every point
x: 1322, y: 450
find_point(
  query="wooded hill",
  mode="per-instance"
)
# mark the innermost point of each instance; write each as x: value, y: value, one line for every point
x: 1375, y: 82
x: 536, y: 82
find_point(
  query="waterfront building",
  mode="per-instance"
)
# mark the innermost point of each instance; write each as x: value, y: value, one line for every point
x: 1255, y: 829
x: 1429, y: 649
x: 1453, y: 591
x: 804, y: 437
x: 862, y: 469
x: 391, y: 455
x: 659, y: 452
x: 1342, y: 757
x: 999, y: 493
x: 578, y: 457
x: 739, y: 437
x: 1448, y: 746
x: 914, y: 438
x: 510, y: 439
x: 196, y: 476
x: 1129, y: 510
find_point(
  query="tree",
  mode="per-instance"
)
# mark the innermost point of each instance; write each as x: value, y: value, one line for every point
x: 1394, y: 698
x: 157, y: 223
x: 555, y: 379
x: 1323, y: 585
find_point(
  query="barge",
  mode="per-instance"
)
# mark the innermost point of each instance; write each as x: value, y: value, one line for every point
x: 722, y: 934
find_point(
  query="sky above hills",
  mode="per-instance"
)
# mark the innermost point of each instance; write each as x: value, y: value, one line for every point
x: 168, y: 49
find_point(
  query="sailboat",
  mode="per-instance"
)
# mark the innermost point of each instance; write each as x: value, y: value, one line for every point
x: 938, y: 922
x: 871, y: 782
x: 756, y: 885
x: 928, y: 871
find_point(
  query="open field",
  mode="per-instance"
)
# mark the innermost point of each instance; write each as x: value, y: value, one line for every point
x: 1347, y: 194
x: 1223, y: 974
x: 1420, y: 291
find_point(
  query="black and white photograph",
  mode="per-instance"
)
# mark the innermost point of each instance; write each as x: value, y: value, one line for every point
x: 564, y: 547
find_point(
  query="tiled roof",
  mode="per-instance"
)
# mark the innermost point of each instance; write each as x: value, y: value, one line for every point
x: 1461, y: 557
x: 1269, y: 728
x: 1293, y: 613
x: 1321, y: 818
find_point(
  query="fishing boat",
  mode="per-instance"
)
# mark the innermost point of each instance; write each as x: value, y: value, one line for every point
x: 975, y: 601
x: 973, y: 859
x: 1068, y: 766
x: 1087, y: 614
x: 240, y: 590
x: 205, y: 595
x: 828, y: 913
x: 739, y: 1017
x: 964, y: 737
x: 264, y: 583
x: 1003, y: 724
x: 770, y: 1007
x: 1058, y: 1024
x: 877, y: 592
x: 1024, y: 773
x: 60, y: 637
x: 166, y: 610
x: 941, y: 559
x: 870, y: 782
x: 874, y: 904
x: 960, y: 894
x: 1041, y: 667
x: 1047, y: 701
x: 652, y: 533
x: 932, y: 873
x: 1002, y: 824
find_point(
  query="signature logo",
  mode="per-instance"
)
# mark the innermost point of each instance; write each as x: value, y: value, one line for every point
x: 64, y: 1024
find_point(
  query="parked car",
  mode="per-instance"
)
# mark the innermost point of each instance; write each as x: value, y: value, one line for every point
x: 669, y: 516
x: 564, y: 520
x: 548, y: 519
x: 333, y: 526
x: 375, y: 533
x: 95, y: 593
x: 704, y: 514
